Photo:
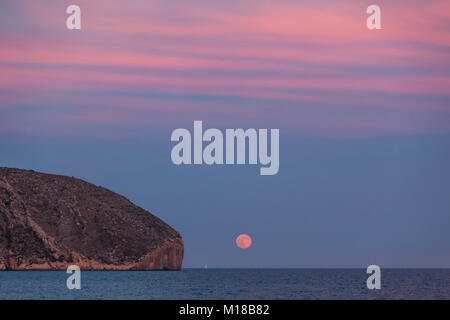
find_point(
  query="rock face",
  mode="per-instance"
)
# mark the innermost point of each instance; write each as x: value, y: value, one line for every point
x: 48, y: 222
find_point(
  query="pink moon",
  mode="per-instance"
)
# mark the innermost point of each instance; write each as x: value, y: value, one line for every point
x: 243, y: 241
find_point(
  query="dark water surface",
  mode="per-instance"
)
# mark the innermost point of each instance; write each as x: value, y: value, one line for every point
x: 228, y: 284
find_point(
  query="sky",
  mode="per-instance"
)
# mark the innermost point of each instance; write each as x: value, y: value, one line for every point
x: 364, y: 119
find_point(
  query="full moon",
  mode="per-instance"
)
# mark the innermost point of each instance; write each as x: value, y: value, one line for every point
x: 243, y: 241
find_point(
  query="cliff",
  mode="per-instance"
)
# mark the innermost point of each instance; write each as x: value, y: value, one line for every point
x: 48, y: 222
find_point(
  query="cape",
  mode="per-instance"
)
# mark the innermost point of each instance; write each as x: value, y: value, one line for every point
x: 48, y: 222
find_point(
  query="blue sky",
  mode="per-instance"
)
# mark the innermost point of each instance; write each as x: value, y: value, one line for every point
x: 364, y: 119
x: 336, y: 202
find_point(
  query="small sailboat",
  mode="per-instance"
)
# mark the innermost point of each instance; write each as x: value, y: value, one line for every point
x: 205, y: 267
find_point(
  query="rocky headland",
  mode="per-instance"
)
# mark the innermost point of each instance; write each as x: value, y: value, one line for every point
x: 48, y: 222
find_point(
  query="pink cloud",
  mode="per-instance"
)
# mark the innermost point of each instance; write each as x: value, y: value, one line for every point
x: 297, y: 52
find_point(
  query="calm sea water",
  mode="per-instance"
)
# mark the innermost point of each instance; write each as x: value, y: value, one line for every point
x: 228, y: 284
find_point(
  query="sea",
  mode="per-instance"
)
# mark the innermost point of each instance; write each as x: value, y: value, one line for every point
x: 228, y: 284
